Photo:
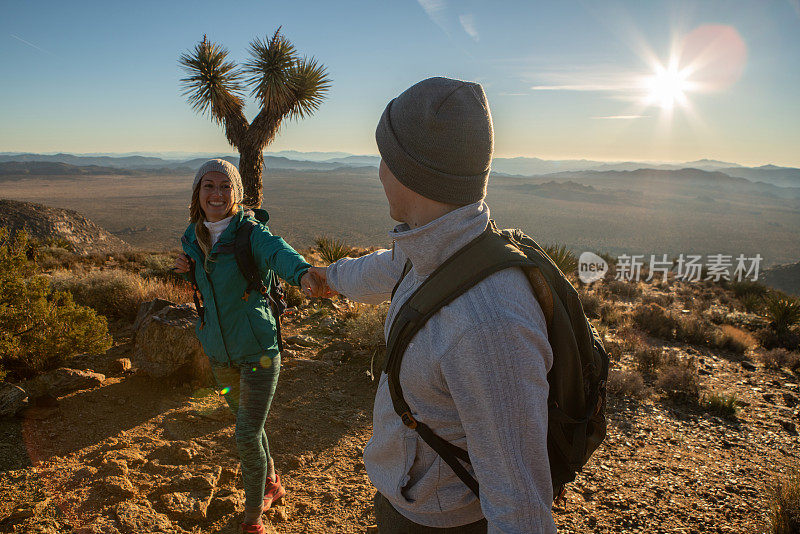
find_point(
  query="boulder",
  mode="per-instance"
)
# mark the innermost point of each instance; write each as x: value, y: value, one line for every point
x: 166, y: 344
x: 12, y: 399
x: 149, y: 308
x: 62, y: 381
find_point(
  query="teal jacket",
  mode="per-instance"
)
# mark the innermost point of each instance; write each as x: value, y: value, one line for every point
x: 238, y: 331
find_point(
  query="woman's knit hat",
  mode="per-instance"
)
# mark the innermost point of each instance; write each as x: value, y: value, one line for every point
x: 437, y: 139
x: 228, y: 169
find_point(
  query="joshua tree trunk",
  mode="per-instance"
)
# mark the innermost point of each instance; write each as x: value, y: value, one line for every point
x: 251, y: 165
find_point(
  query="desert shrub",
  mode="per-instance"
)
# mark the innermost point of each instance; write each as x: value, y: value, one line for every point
x: 630, y: 338
x: 785, y: 505
x: 157, y: 265
x: 364, y: 326
x: 54, y: 257
x: 562, y: 257
x: 613, y: 349
x: 744, y: 288
x: 782, y: 312
x: 590, y: 303
x: 730, y: 338
x: 626, y: 290
x: 780, y: 358
x: 611, y: 315
x: 693, y: 329
x: 771, y: 338
x: 648, y: 360
x: 680, y: 381
x: 723, y: 405
x: 663, y: 300
x: 294, y: 296
x: 626, y: 384
x: 655, y: 320
x: 39, y: 328
x: 117, y: 293
x: 331, y: 249
x: 752, y: 303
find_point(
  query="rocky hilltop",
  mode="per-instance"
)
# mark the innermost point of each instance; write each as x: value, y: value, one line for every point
x: 60, y: 225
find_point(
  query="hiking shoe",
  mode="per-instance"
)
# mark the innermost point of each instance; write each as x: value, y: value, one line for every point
x: 248, y: 528
x: 273, y: 492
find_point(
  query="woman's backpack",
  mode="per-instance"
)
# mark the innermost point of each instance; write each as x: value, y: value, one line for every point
x: 577, y: 379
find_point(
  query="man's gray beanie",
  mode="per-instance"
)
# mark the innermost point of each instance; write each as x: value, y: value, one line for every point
x: 228, y: 169
x: 437, y: 139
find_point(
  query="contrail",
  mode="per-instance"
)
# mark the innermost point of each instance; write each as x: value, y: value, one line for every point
x: 18, y: 38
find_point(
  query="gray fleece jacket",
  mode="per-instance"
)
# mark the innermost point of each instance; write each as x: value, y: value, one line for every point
x: 476, y: 373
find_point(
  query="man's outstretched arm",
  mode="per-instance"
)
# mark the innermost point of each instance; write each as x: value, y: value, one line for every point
x: 368, y: 279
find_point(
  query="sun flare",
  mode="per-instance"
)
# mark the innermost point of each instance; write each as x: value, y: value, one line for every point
x: 668, y: 86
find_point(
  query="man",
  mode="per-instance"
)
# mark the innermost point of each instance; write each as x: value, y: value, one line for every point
x: 476, y: 373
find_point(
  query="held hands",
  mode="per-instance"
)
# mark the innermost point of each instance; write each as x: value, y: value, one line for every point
x: 315, y: 283
x: 182, y: 264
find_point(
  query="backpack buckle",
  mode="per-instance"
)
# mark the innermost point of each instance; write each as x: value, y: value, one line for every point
x: 409, y: 420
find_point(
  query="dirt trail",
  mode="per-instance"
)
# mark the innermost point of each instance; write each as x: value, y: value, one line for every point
x: 140, y: 455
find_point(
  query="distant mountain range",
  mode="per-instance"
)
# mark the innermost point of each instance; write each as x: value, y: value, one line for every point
x: 327, y: 161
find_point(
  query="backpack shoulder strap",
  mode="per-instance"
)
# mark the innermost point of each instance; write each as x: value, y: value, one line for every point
x: 243, y: 253
x: 196, y: 295
x: 486, y: 254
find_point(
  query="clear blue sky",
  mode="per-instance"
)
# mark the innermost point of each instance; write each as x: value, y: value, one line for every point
x: 565, y: 79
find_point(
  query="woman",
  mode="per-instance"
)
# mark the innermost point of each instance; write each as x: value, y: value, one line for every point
x: 238, y: 332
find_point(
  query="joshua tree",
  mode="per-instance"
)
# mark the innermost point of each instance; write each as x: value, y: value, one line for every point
x: 284, y: 84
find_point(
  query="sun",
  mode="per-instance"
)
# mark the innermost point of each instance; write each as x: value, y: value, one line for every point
x: 667, y: 86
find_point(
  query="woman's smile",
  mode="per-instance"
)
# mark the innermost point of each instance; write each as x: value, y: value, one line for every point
x: 216, y: 196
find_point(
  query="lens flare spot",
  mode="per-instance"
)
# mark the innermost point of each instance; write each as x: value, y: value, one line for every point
x: 224, y: 391
x: 266, y: 362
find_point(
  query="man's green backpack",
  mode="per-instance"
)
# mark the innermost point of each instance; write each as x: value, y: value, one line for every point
x: 577, y: 379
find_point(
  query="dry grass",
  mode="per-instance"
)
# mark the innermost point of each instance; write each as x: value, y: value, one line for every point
x: 626, y: 384
x: 294, y: 296
x: 693, y: 329
x: 785, y: 505
x: 730, y: 338
x: 591, y: 303
x: 655, y: 320
x: 630, y: 338
x: 680, y: 382
x: 117, y: 293
x: 777, y: 359
x: 625, y: 290
x: 648, y: 360
x: 364, y: 326
x: 663, y: 300
x: 611, y: 315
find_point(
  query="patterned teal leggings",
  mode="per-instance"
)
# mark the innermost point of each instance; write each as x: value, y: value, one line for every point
x: 248, y: 390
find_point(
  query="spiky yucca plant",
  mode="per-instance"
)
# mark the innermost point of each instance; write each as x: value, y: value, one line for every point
x: 331, y: 249
x: 562, y: 257
x: 782, y: 311
x: 285, y: 85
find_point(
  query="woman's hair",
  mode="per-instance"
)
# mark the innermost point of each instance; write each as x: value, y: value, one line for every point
x: 198, y: 217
